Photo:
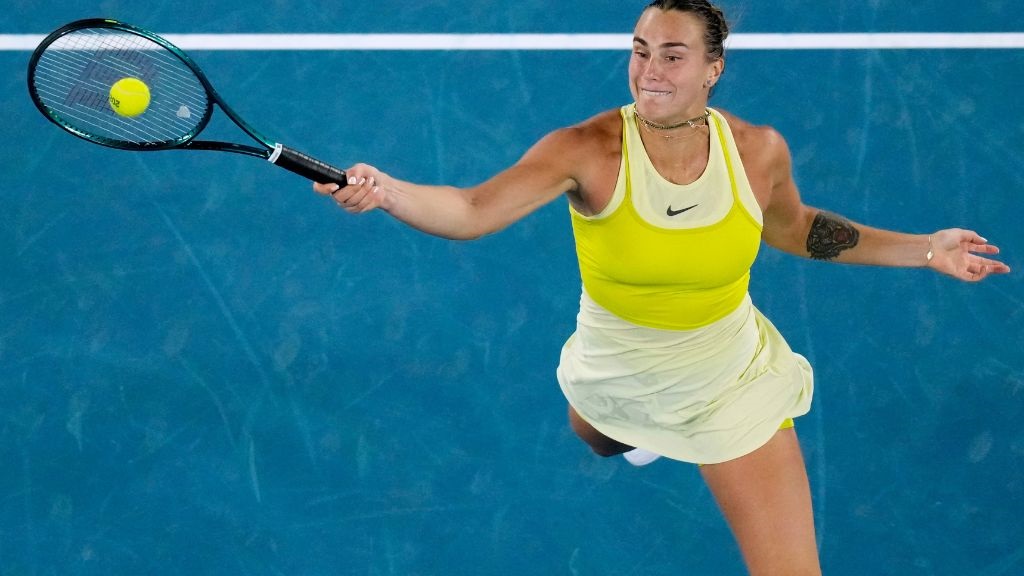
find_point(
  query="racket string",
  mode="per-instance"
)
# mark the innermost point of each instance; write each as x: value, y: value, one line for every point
x: 74, y: 75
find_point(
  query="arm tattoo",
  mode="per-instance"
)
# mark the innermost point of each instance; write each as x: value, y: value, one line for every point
x: 830, y: 234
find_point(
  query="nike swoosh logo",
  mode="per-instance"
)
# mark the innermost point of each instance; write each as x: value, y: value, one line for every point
x: 672, y: 212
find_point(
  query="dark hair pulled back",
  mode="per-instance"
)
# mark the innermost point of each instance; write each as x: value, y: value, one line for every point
x: 716, y: 29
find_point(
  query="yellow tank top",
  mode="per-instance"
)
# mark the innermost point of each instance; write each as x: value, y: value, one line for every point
x: 671, y: 256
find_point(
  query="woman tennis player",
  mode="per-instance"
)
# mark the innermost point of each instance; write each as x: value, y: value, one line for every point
x: 669, y: 202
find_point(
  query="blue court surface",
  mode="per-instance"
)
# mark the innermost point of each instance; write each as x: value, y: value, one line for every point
x: 205, y: 368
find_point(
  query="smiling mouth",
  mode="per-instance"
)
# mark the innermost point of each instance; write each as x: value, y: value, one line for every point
x: 654, y: 92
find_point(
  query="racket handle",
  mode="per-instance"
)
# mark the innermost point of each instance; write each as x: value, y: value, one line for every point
x: 306, y: 166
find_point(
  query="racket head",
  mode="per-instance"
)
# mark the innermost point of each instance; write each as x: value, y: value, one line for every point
x: 71, y: 72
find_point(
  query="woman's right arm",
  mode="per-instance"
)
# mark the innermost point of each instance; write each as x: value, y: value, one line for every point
x: 547, y: 170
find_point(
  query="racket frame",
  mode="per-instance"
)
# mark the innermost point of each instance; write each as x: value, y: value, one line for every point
x: 287, y: 158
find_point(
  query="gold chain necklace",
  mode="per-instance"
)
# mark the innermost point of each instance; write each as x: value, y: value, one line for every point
x: 694, y: 122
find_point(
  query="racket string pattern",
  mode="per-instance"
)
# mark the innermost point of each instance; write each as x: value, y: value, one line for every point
x: 75, y: 73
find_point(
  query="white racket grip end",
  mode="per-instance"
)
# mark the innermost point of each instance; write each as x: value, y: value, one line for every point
x: 275, y: 154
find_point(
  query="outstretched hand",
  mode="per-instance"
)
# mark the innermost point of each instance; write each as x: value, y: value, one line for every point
x: 955, y: 252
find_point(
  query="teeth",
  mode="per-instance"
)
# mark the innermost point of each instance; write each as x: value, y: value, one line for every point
x: 655, y: 93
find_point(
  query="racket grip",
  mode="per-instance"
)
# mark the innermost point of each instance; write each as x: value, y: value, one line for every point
x: 306, y: 166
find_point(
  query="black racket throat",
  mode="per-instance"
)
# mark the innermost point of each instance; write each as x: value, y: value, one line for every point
x: 78, y: 75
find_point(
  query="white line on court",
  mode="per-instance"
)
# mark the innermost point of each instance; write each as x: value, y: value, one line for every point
x: 824, y: 41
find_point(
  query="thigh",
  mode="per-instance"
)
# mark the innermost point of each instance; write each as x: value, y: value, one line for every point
x: 599, y: 443
x: 766, y: 499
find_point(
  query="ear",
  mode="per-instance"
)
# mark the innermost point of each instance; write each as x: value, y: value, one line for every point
x: 715, y: 70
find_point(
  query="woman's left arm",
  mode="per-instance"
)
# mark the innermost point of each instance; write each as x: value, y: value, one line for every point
x: 793, y: 227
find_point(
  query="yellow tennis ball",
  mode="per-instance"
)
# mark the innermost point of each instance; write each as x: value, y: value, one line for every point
x: 129, y: 97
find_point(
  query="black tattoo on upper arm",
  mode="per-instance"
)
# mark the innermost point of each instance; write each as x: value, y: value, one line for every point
x: 830, y: 234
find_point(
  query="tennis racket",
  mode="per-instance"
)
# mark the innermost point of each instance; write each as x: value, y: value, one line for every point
x: 71, y: 78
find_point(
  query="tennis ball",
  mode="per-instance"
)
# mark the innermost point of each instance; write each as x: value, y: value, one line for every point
x: 129, y: 97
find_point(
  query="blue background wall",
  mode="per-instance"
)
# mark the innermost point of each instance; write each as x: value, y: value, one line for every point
x: 206, y: 368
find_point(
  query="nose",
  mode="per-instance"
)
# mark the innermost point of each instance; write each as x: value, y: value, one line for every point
x: 651, y: 69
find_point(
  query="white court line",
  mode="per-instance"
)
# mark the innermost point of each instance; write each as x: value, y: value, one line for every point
x: 837, y: 41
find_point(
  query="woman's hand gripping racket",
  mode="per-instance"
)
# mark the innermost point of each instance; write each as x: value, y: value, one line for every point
x: 120, y: 86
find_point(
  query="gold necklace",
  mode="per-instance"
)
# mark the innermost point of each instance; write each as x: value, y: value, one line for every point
x: 694, y: 122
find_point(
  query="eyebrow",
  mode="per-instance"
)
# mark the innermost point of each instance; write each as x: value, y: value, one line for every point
x: 639, y: 40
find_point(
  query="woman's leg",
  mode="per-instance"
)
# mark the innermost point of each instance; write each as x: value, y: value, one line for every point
x: 766, y: 499
x: 599, y: 443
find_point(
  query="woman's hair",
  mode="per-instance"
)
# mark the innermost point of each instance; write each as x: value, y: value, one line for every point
x: 716, y: 29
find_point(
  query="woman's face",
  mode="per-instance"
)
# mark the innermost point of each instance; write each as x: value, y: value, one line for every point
x: 669, y: 70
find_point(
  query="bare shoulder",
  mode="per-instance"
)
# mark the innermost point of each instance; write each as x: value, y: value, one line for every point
x: 765, y: 157
x: 588, y: 153
x: 608, y: 123
x: 583, y: 150
x: 596, y: 133
x: 760, y: 146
